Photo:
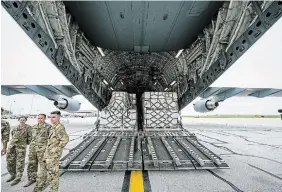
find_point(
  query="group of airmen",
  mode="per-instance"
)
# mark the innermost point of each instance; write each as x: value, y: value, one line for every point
x: 46, y: 143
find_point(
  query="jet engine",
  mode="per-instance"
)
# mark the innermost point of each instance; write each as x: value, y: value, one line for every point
x: 67, y: 104
x: 205, y: 105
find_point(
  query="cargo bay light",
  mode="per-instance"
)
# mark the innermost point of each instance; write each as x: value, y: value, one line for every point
x: 141, y: 78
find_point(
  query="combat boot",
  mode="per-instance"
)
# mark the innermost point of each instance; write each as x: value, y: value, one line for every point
x: 16, y: 181
x: 29, y: 183
x: 11, y: 178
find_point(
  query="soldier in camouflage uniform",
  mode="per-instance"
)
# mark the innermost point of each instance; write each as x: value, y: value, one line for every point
x: 21, y: 137
x: 58, y: 138
x: 40, y: 133
x: 5, y: 134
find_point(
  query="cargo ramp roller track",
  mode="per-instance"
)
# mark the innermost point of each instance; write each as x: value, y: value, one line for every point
x: 114, y: 153
x: 117, y: 143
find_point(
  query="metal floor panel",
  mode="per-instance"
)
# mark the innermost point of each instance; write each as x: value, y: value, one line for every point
x: 140, y: 152
x: 160, y: 144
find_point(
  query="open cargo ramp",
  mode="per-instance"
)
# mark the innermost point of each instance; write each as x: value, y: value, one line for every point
x: 118, y: 143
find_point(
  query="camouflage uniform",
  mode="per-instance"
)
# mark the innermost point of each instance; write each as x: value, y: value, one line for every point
x: 5, y: 132
x: 58, y: 138
x: 37, y: 148
x: 21, y: 137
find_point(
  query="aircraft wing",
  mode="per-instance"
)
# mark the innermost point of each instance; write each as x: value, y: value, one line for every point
x: 226, y: 92
x: 211, y: 97
x: 60, y: 94
x: 48, y: 91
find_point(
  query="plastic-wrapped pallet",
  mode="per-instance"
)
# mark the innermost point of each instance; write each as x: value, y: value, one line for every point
x: 132, y: 98
x: 161, y: 111
x: 119, y: 101
x: 120, y: 114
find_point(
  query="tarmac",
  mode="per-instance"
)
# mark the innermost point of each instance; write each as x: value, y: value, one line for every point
x: 251, y: 147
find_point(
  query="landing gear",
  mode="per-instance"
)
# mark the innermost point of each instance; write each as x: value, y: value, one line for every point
x: 280, y: 111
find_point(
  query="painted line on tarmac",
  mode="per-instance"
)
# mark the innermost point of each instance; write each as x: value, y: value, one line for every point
x: 136, y: 181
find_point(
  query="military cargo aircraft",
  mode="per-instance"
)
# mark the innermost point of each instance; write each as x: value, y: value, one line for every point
x: 140, y: 63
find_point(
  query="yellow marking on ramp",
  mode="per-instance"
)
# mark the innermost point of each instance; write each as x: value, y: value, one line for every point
x: 136, y: 182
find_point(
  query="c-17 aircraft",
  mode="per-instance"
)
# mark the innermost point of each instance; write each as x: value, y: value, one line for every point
x: 140, y: 63
x: 210, y: 98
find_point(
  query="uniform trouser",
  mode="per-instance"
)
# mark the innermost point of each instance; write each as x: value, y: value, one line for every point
x: 16, y: 160
x: 35, y: 157
x: 52, y: 167
x: 32, y: 164
x: 42, y: 172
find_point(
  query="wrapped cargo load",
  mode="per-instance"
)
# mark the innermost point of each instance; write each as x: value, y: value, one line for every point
x: 161, y: 111
x: 120, y: 114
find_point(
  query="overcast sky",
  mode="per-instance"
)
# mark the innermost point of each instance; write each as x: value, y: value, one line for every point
x: 22, y: 63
